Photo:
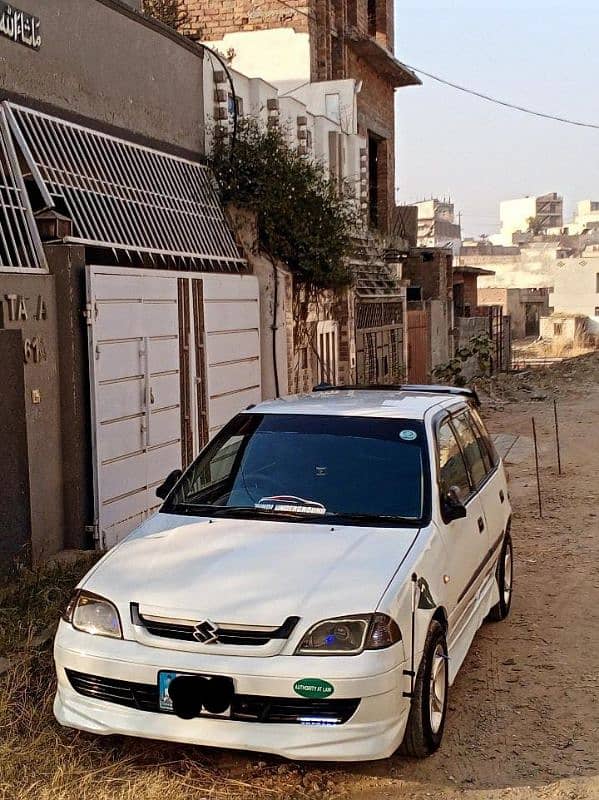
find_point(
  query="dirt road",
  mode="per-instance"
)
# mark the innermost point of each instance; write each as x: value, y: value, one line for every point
x: 524, y: 711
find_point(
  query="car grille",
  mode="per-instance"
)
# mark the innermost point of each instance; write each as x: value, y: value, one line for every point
x: 232, y: 636
x: 245, y: 707
x: 142, y: 696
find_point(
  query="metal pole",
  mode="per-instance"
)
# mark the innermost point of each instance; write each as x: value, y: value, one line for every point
x: 534, y: 436
x: 559, y: 455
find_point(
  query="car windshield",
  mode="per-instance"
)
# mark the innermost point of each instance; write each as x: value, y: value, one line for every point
x: 298, y: 465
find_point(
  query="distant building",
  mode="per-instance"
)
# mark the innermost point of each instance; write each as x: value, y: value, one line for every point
x: 437, y: 226
x: 537, y: 214
x: 586, y: 217
x: 576, y: 289
x: 525, y: 307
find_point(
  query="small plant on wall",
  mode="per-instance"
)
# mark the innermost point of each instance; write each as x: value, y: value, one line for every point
x: 479, y: 347
x: 303, y: 219
x: 167, y: 11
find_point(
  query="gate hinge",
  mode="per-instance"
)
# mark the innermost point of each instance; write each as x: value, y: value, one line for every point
x: 95, y: 531
x: 90, y: 312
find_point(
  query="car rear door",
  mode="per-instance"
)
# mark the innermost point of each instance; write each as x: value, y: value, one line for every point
x: 494, y: 491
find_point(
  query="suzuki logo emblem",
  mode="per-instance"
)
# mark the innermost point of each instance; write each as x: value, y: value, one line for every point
x: 205, y: 632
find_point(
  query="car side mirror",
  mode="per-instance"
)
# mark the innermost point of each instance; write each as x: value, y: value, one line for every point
x: 453, y: 508
x: 165, y: 488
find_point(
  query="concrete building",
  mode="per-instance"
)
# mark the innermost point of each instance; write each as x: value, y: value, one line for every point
x: 129, y: 323
x: 345, y: 46
x: 529, y: 213
x: 531, y: 266
x: 576, y: 290
x: 430, y: 310
x: 437, y: 226
x: 525, y: 307
x: 586, y: 217
x: 565, y: 331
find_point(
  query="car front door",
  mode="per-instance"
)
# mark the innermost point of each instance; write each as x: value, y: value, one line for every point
x: 465, y: 539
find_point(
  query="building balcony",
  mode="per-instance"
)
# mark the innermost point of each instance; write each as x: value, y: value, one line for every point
x: 381, y: 59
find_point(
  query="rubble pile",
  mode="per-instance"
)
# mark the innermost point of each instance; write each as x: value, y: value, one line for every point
x: 572, y: 376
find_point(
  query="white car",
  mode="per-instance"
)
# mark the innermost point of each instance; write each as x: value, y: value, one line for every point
x: 310, y: 586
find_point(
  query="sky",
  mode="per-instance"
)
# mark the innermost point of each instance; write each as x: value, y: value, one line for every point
x: 543, y: 54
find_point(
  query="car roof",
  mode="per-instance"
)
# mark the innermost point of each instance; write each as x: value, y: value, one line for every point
x: 392, y: 404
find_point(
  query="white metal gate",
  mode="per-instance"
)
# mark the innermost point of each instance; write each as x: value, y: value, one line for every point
x: 159, y: 343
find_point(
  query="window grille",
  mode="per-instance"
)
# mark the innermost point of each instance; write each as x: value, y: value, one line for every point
x: 20, y: 244
x: 125, y: 196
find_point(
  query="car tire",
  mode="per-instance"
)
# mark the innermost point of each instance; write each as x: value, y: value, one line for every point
x: 426, y: 720
x: 505, y: 582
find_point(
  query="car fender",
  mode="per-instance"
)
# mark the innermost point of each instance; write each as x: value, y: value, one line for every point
x: 418, y: 584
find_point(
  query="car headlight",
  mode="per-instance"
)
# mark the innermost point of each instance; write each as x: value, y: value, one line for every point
x: 93, y: 614
x: 350, y: 635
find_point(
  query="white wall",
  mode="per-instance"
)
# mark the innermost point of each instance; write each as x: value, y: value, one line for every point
x: 280, y: 56
x: 514, y: 216
x: 313, y: 95
x: 575, y: 288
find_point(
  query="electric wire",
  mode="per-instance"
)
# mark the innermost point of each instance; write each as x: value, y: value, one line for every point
x: 503, y: 103
x: 474, y: 92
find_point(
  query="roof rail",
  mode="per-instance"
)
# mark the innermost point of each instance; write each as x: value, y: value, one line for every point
x: 425, y: 388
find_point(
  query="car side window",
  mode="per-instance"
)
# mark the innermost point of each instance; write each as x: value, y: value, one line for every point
x: 452, y: 469
x: 483, y: 436
x: 470, y: 446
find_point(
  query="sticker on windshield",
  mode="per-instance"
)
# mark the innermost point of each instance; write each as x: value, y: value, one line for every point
x: 313, y: 688
x: 408, y: 435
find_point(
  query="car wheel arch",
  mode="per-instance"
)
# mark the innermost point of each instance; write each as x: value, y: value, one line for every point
x: 441, y: 616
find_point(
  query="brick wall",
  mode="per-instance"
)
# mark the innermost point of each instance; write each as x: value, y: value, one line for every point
x: 212, y: 19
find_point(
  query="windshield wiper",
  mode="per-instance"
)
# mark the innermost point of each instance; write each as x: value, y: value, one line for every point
x: 206, y: 509
x: 373, y: 519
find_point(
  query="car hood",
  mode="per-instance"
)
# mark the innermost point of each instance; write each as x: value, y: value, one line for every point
x: 251, y: 572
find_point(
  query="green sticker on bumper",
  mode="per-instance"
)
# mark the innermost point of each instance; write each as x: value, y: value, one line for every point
x: 313, y: 688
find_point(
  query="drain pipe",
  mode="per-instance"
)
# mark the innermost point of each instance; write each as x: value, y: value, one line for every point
x: 275, y: 326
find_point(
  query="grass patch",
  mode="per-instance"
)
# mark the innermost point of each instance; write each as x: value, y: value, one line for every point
x: 35, y: 599
x: 40, y: 760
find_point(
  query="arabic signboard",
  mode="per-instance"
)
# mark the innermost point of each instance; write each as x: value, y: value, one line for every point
x: 19, y: 26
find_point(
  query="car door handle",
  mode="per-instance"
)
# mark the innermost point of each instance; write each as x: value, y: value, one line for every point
x: 501, y: 495
x: 481, y: 524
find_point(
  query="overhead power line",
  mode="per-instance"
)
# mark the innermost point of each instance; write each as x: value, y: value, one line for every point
x: 504, y: 103
x: 474, y: 92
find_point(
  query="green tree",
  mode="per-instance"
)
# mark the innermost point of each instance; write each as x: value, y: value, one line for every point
x: 304, y: 219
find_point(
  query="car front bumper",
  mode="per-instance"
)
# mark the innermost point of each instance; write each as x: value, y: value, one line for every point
x: 374, y: 731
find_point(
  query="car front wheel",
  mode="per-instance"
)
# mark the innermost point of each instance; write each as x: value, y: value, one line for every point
x: 426, y: 721
x: 505, y: 580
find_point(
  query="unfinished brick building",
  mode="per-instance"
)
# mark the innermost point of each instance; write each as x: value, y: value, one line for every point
x: 298, y: 42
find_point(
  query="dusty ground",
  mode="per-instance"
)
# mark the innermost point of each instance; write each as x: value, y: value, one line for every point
x: 524, y: 711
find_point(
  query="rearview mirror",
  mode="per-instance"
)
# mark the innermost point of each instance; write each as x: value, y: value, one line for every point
x: 453, y: 508
x: 165, y: 488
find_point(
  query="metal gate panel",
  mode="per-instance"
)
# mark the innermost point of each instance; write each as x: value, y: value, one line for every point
x: 232, y: 324
x: 134, y: 364
x: 135, y: 319
x: 419, y: 346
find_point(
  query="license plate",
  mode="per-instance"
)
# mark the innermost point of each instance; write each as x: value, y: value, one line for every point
x: 165, y: 702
